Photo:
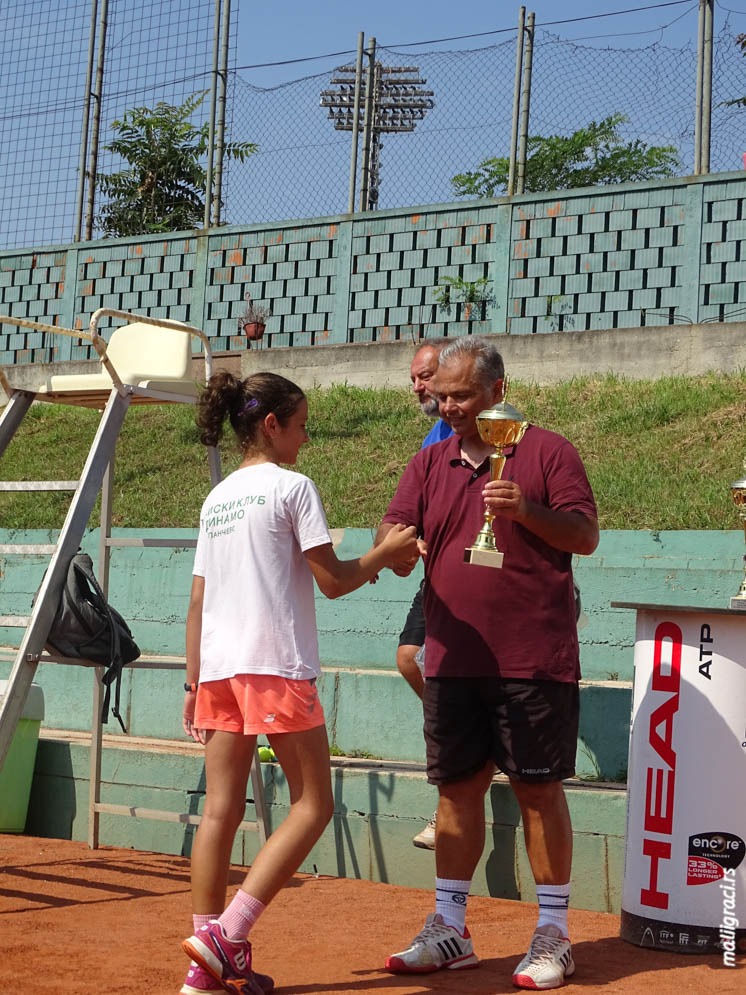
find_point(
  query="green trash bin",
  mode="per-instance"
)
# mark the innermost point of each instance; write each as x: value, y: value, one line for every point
x: 18, y: 770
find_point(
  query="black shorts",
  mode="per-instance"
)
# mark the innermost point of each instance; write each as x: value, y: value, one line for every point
x: 413, y: 633
x: 529, y: 729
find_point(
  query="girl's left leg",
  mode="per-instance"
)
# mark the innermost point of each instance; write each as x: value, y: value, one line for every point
x: 228, y: 758
x: 304, y: 758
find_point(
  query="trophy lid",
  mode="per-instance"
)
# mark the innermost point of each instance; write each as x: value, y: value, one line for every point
x: 502, y: 411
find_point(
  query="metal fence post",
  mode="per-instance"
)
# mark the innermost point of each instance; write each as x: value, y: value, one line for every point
x: 368, y: 125
x: 516, y: 99
x: 220, y: 128
x: 84, y: 130
x: 98, y: 97
x: 526, y: 102
x: 213, y: 101
x: 355, y: 123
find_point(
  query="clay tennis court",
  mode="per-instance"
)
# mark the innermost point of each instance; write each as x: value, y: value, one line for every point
x: 75, y: 921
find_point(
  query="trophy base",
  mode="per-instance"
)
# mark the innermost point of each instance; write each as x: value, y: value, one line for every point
x: 738, y: 604
x: 483, y: 557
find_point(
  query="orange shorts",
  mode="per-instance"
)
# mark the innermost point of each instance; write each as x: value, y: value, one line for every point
x: 256, y: 704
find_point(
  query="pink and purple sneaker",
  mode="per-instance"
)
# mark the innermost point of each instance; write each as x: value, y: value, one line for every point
x: 220, y: 964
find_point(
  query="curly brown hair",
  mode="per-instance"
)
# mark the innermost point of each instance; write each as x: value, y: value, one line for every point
x: 246, y: 403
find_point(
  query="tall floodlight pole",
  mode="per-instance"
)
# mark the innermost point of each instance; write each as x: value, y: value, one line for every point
x: 86, y: 119
x: 393, y: 101
x: 96, y: 125
x: 213, y: 104
x: 707, y: 87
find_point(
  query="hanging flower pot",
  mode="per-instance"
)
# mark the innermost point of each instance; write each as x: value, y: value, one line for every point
x: 254, y: 330
x: 253, y: 320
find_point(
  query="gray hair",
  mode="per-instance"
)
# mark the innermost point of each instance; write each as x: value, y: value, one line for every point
x: 435, y: 344
x: 488, y: 363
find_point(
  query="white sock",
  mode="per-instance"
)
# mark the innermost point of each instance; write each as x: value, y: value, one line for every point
x: 450, y: 901
x: 553, y: 902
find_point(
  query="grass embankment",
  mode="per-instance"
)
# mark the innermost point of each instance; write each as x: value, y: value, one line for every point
x: 660, y: 455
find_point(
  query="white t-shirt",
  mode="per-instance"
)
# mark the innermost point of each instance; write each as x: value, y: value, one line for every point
x: 258, y: 615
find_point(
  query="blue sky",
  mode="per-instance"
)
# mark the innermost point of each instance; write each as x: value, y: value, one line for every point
x: 295, y: 29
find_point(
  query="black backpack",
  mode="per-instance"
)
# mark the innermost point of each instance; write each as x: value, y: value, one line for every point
x: 86, y: 627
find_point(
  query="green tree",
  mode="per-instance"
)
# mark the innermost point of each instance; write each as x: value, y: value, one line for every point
x: 739, y: 101
x: 592, y: 156
x: 163, y: 187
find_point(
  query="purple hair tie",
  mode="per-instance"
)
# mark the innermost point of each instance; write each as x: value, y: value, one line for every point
x: 248, y: 406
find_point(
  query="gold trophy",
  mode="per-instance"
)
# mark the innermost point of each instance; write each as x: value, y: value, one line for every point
x: 738, y: 491
x: 499, y: 426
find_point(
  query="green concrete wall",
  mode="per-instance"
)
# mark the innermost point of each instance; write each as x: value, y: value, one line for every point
x: 666, y: 251
x: 370, y: 710
x: 377, y: 811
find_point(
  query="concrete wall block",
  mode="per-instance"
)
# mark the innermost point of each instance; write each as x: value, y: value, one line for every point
x: 538, y: 267
x: 387, y: 298
x: 403, y: 241
x: 553, y: 246
x: 376, y: 317
x: 451, y: 236
x: 722, y: 252
x: 620, y: 220
x: 577, y: 283
x: 379, y: 243
x: 723, y: 293
x: 550, y: 286
x: 461, y: 255
x: 536, y: 307
x: 600, y: 319
x: 426, y: 239
x: 651, y: 217
x: 377, y: 281
x: 644, y: 298
x: 735, y: 271
x: 735, y: 231
x: 741, y: 293
x: 662, y: 277
x: 400, y: 278
x: 646, y: 258
x: 296, y: 288
x: 593, y: 222
x: 523, y: 288
x: 328, y: 267
x: 587, y: 303
x: 619, y: 300
x: 433, y: 257
x: 619, y: 260
x: 390, y: 260
x: 661, y: 236
x: 603, y: 281
x: 605, y: 241
x: 567, y: 225
x: 592, y: 262
x: 564, y: 265
x: 319, y: 285
x: 413, y: 296
x: 398, y: 316
x: 541, y: 228
x: 673, y: 255
x: 304, y: 305
x: 672, y: 297
x: 415, y: 258
x: 711, y: 273
x: 715, y: 231
x: 633, y: 239
x: 577, y: 244
x: 233, y: 292
x: 522, y: 326
x: 280, y: 271
x: 723, y: 210
x: 316, y: 321
x: 628, y: 319
x: 362, y: 302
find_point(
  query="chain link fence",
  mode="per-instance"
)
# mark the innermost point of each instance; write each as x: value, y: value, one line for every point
x: 156, y: 50
x: 302, y: 167
x: 160, y: 50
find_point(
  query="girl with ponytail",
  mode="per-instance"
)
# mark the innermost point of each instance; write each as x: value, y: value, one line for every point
x: 253, y: 660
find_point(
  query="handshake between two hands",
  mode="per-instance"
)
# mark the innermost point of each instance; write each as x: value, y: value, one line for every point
x: 403, y: 548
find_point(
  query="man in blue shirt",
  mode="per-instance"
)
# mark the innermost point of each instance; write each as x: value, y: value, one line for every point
x: 412, y: 638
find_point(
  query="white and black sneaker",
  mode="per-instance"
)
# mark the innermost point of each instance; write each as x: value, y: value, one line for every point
x: 548, y: 961
x: 425, y: 839
x: 437, y: 945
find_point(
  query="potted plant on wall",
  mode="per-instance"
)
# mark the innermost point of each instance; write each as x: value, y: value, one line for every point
x: 253, y: 319
x: 474, y: 296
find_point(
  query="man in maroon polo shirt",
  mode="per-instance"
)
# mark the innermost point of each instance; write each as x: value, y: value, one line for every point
x: 501, y: 654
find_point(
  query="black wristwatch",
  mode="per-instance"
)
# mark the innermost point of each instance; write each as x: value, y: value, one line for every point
x: 191, y: 687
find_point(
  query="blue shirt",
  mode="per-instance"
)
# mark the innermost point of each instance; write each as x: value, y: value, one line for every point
x: 437, y: 433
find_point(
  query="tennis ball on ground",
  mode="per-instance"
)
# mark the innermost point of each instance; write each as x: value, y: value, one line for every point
x: 266, y: 754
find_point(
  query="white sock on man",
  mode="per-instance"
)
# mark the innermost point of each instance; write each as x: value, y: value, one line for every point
x: 554, y: 900
x: 450, y: 901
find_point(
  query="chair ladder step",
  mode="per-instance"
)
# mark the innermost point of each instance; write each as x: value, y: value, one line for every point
x: 24, y: 549
x: 147, y: 543
x: 39, y: 485
x: 15, y: 621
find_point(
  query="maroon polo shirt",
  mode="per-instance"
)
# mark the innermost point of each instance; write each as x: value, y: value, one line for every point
x: 517, y: 621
